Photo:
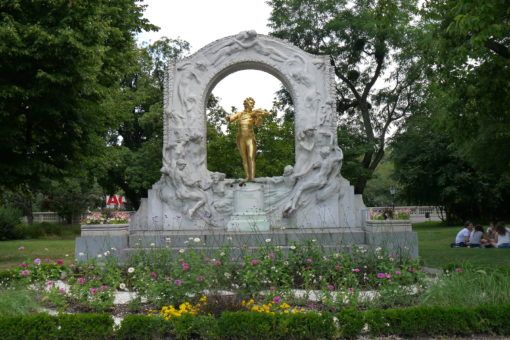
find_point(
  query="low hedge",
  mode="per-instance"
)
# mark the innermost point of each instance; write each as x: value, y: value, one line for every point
x: 66, y: 326
x: 349, y: 323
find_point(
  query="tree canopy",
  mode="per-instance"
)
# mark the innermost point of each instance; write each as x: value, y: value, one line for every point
x: 60, y: 60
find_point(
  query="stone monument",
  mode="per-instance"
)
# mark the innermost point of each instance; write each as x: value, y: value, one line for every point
x: 310, y: 200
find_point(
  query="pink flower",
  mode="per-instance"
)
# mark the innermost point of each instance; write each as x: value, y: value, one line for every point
x: 25, y: 273
x: 388, y: 276
x: 351, y: 290
x: 255, y: 262
x: 178, y: 282
x: 62, y: 290
x: 154, y: 275
x: 458, y: 270
x: 103, y: 288
x: 23, y: 265
x: 331, y: 287
x: 37, y: 261
x: 398, y: 272
x: 217, y: 263
x: 381, y: 275
x: 200, y: 278
x: 49, y: 283
x: 277, y: 299
x: 185, y: 266
x: 81, y: 280
x: 271, y: 256
x: 59, y: 262
x: 308, y: 260
x: 356, y: 270
x: 93, y: 291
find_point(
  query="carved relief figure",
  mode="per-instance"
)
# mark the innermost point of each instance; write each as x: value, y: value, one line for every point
x: 246, y: 142
x: 322, y: 171
x: 245, y: 40
x: 187, y: 99
x: 189, y: 189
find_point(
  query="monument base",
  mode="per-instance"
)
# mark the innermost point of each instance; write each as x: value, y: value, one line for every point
x: 249, y: 213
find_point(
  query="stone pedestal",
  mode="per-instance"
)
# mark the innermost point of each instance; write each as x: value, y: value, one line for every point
x: 249, y: 214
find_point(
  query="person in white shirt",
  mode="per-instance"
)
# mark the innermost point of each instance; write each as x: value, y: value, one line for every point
x: 462, y: 238
x: 503, y: 236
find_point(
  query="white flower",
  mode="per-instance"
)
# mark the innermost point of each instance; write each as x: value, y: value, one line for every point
x: 292, y: 247
x: 67, y: 255
x: 114, y: 249
x: 268, y: 240
x: 314, y: 240
x: 153, y: 244
x: 81, y: 254
x: 131, y: 270
x: 168, y: 239
x: 181, y: 250
x: 286, y: 263
x: 122, y: 286
x: 227, y: 275
x: 196, y: 240
x: 186, y: 242
x: 190, y: 238
x: 229, y: 238
x: 106, y: 253
x: 222, y: 253
x: 99, y: 256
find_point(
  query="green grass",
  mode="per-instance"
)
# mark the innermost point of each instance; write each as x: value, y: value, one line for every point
x: 10, y: 256
x: 20, y: 301
x: 434, y: 240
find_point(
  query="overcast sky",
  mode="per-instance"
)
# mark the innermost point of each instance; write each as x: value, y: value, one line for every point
x: 200, y: 22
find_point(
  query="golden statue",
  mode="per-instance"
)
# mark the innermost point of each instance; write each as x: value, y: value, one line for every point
x: 246, y: 142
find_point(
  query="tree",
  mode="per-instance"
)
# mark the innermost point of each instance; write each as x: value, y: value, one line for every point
x: 467, y: 52
x: 131, y: 158
x: 60, y: 59
x: 371, y: 46
x: 430, y: 172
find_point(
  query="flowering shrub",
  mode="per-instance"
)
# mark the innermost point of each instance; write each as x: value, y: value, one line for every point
x: 273, y: 307
x: 390, y: 214
x: 186, y: 308
x: 106, y: 217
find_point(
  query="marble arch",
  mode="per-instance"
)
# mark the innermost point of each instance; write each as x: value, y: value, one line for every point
x: 310, y: 194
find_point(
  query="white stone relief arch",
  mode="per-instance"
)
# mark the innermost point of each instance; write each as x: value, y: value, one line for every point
x: 308, y: 78
x: 189, y: 196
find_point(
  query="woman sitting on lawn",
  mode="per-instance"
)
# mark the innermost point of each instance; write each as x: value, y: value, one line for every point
x: 502, y: 235
x: 475, y: 238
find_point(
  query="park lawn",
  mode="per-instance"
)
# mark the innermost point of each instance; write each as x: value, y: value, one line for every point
x: 11, y: 257
x: 434, y: 240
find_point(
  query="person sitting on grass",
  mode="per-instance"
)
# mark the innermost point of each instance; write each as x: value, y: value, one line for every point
x: 475, y: 238
x: 462, y: 238
x: 490, y: 236
x: 502, y: 236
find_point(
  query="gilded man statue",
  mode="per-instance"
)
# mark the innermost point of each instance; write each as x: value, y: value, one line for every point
x: 246, y: 142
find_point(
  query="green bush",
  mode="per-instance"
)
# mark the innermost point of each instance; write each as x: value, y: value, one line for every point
x: 155, y: 327
x: 85, y: 326
x: 243, y: 325
x: 45, y: 229
x: 351, y: 323
x: 67, y: 326
x: 39, y: 326
x: 407, y: 322
x: 9, y: 219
